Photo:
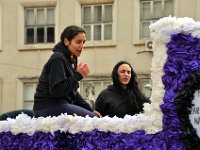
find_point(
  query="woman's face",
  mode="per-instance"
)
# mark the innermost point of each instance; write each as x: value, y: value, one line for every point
x: 124, y: 73
x: 77, y: 44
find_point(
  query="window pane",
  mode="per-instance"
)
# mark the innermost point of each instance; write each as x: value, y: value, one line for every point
x: 168, y: 8
x: 87, y: 15
x: 99, y: 27
x: 108, y: 13
x: 97, y: 14
x: 88, y: 32
x: 89, y: 90
x: 157, y: 9
x: 42, y: 30
x: 151, y: 11
x: 98, y: 88
x: 145, y: 10
x: 50, y: 34
x: 97, y: 32
x: 40, y: 35
x: 29, y: 35
x: 50, y: 16
x: 146, y: 87
x: 85, y: 85
x: 29, y: 92
x: 28, y: 105
x: 40, y: 17
x: 29, y: 17
x: 145, y: 32
x: 107, y: 32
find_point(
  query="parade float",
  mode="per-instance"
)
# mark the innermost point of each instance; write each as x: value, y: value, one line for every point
x: 170, y: 122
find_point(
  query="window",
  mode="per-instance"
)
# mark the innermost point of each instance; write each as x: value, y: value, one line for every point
x: 151, y: 11
x: 146, y: 87
x: 97, y: 20
x: 29, y: 91
x: 91, y: 89
x: 39, y: 25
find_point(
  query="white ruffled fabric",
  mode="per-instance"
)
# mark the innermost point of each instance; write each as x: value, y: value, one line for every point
x: 150, y: 120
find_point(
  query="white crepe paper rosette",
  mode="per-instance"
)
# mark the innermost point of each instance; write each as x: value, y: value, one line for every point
x: 105, y: 124
x: 6, y: 125
x: 89, y: 124
x: 187, y: 25
x: 62, y: 122
x: 73, y: 123
x: 23, y: 124
x: 45, y: 124
x: 196, y: 31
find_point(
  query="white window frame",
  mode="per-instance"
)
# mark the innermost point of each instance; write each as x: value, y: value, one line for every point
x: 36, y: 25
x: 152, y: 20
x: 30, y: 101
x: 101, y: 24
x: 20, y: 89
x: 137, y: 41
x: 113, y: 41
x: 21, y: 23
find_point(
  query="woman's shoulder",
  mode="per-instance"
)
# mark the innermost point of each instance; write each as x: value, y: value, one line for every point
x: 57, y: 56
x: 110, y: 89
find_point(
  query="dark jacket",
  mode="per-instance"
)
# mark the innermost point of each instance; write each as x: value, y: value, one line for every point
x: 114, y: 102
x: 58, y: 81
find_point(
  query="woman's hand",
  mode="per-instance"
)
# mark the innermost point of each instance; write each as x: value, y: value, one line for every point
x: 97, y: 114
x: 83, y: 69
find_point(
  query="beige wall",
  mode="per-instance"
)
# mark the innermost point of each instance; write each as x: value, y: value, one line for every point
x: 19, y: 62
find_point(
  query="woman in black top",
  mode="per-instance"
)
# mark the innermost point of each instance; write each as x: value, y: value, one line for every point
x: 56, y: 92
x: 123, y: 96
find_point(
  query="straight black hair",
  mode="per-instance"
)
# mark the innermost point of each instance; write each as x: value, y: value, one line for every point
x: 70, y: 32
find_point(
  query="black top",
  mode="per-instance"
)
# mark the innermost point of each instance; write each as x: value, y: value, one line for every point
x: 114, y: 102
x: 58, y: 81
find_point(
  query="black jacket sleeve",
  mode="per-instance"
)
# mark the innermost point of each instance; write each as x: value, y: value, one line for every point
x: 100, y: 105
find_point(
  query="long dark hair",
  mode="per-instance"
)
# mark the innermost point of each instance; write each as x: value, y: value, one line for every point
x: 70, y: 32
x: 135, y: 97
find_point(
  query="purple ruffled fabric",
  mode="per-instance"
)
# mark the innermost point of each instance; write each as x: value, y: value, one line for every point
x: 95, y: 140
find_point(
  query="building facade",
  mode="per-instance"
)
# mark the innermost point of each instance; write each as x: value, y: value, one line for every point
x: 116, y: 30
